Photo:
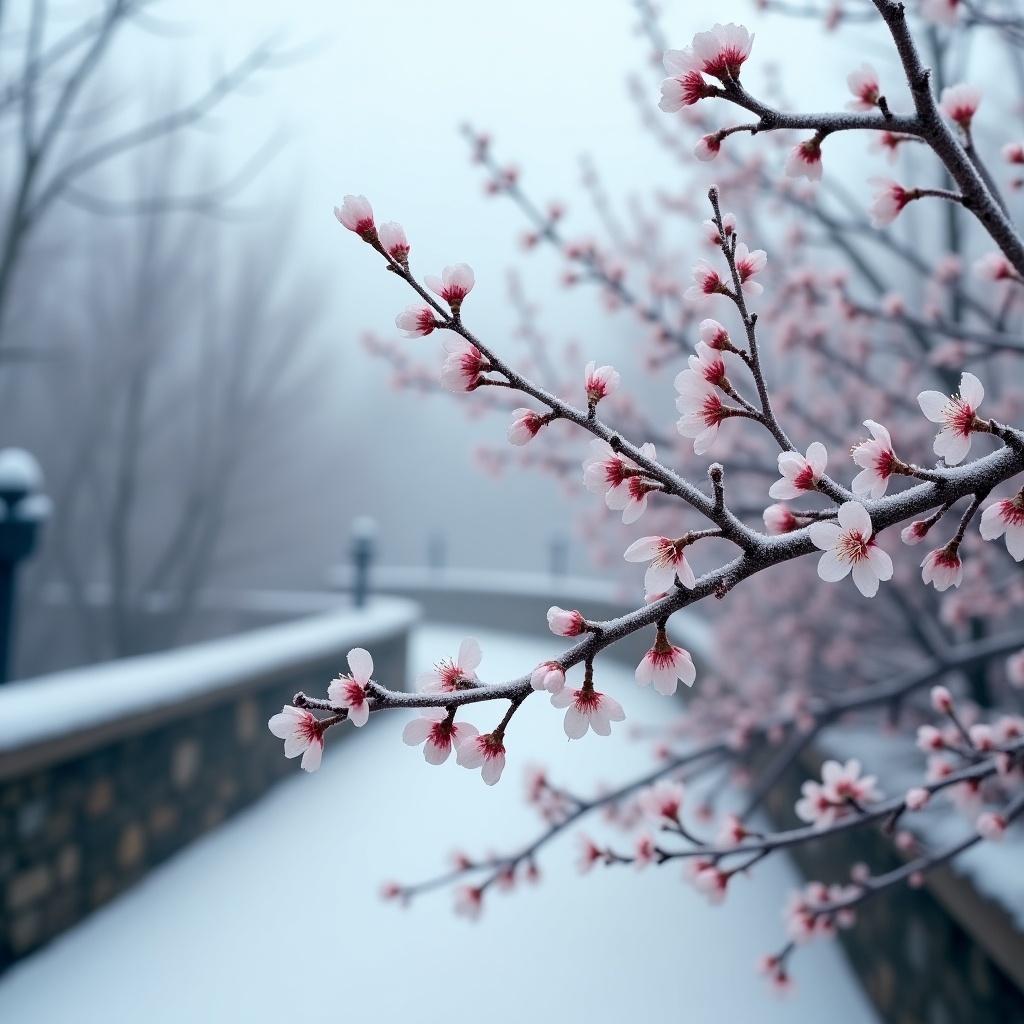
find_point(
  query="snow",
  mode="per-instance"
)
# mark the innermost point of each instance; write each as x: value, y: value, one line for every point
x: 993, y: 868
x: 19, y: 471
x: 274, y: 916
x: 33, y: 710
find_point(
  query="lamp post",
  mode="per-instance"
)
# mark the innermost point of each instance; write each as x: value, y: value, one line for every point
x: 364, y: 537
x: 437, y: 551
x: 558, y: 555
x: 23, y: 508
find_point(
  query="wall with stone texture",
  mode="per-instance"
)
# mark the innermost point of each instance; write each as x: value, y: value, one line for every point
x: 87, y: 811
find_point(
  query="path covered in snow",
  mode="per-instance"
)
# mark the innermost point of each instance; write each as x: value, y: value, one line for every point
x: 275, y: 916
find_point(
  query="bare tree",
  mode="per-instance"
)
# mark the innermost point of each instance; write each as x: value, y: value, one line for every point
x: 52, y: 72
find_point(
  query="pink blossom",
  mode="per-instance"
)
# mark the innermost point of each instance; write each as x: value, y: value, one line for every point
x: 685, y: 84
x: 778, y: 519
x: 749, y: 263
x: 469, y: 902
x: 463, y: 367
x: 449, y: 675
x: 889, y: 144
x: 525, y: 426
x: 994, y: 266
x: 563, y: 622
x: 849, y: 545
x: 930, y: 739
x: 722, y: 51
x: 941, y: 699
x: 708, y: 147
x: 356, y: 214
x: 712, y: 333
x: 302, y: 734
x: 983, y: 737
x: 941, y: 12
x: 916, y: 798
x: 1013, y: 152
x: 590, y: 854
x: 915, y: 532
x: 668, y: 563
x: 841, y: 788
x: 587, y: 708
x: 486, y: 752
x: 644, y: 850
x: 814, y: 806
x: 805, y: 160
x: 353, y: 691
x: 632, y: 497
x: 863, y: 83
x: 960, y: 103
x: 844, y: 782
x: 394, y: 242
x: 663, y: 801
x: 713, y: 883
x: 732, y: 831
x: 600, y: 382
x: 774, y: 968
x: 1006, y: 517
x: 877, y: 460
x: 618, y: 479
x: 800, y: 473
x: 706, y: 281
x: 665, y: 665
x: 548, y: 675
x: 714, y: 237
x: 942, y: 568
x: 991, y: 826
x: 708, y: 365
x: 889, y: 200
x: 702, y: 410
x: 957, y: 416
x: 392, y: 891
x: 454, y: 284
x: 438, y: 733
x: 416, y: 321
x: 1008, y: 729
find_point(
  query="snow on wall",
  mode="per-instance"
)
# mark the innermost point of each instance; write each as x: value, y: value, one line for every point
x: 43, y: 708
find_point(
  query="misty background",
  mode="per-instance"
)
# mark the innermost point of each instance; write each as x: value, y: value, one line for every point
x: 184, y: 328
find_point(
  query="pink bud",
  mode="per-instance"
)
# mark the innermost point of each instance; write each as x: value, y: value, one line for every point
x: 916, y: 798
x: 991, y: 826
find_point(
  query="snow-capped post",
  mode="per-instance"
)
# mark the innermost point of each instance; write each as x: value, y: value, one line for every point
x: 364, y: 537
x: 23, y: 507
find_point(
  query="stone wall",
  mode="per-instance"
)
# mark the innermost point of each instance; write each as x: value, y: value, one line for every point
x: 942, y: 954
x: 88, y: 807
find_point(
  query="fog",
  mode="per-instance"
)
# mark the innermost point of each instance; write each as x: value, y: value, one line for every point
x: 373, y: 106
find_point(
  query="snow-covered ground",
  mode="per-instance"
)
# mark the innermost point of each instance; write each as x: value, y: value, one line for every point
x: 275, y: 916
